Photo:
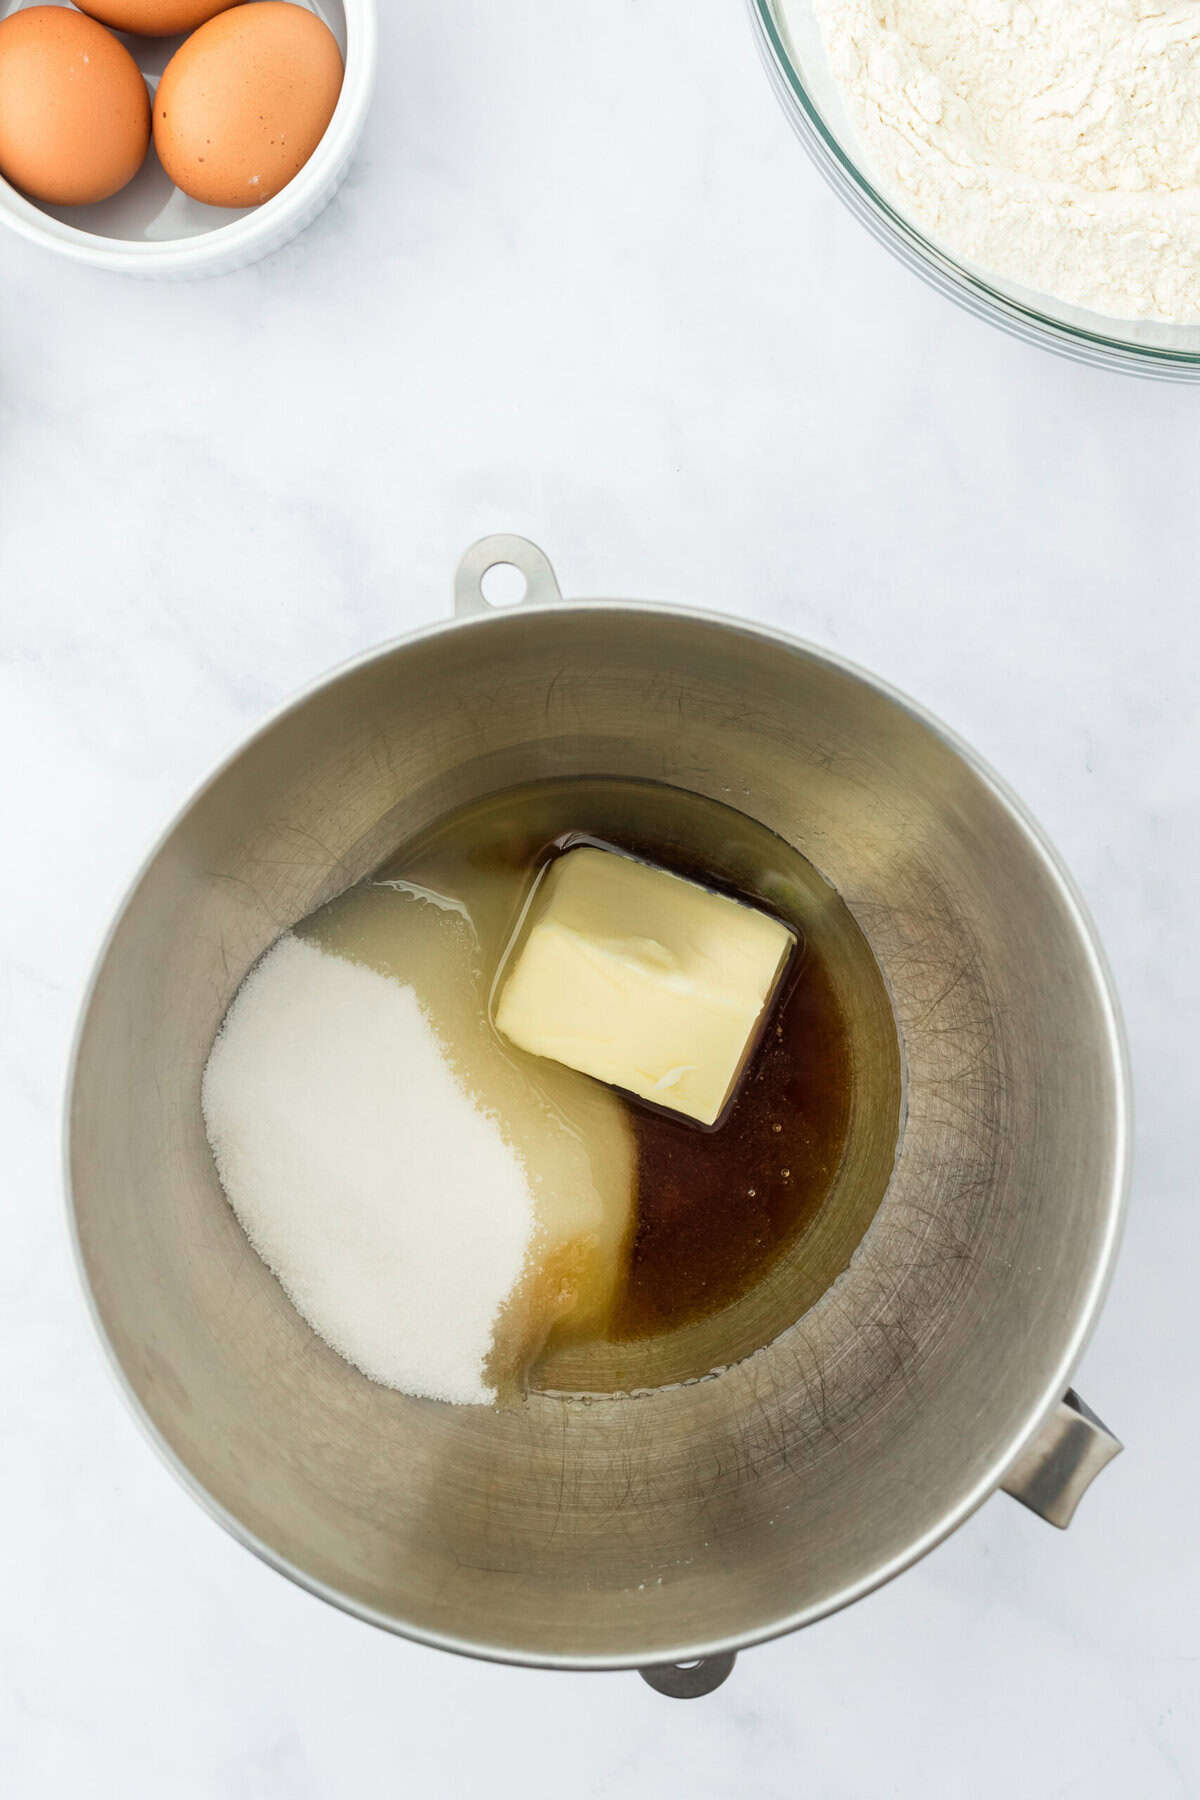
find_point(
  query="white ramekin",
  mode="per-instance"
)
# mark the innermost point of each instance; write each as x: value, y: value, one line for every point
x: 233, y: 239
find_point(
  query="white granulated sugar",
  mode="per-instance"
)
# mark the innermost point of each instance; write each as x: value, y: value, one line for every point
x: 1055, y: 142
x: 389, y: 1206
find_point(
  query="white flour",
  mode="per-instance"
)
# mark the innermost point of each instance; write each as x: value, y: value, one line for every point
x: 1055, y: 142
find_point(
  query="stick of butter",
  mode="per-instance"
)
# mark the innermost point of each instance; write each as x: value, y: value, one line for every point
x: 642, y: 979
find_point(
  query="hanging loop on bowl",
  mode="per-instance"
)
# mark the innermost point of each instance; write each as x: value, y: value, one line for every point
x: 472, y: 594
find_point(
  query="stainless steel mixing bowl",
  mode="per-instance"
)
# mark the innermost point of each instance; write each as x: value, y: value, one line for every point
x: 682, y: 1523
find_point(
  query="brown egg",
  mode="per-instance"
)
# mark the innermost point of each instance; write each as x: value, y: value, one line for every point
x: 153, y: 18
x: 74, y: 111
x: 245, y: 101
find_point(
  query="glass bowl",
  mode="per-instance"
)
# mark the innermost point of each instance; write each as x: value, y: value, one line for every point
x: 795, y: 60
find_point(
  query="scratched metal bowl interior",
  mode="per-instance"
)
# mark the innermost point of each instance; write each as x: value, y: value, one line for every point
x: 617, y: 1531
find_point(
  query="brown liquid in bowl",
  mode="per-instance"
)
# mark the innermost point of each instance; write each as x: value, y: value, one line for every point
x: 714, y: 1208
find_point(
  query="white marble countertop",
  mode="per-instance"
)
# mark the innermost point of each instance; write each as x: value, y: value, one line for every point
x: 582, y: 285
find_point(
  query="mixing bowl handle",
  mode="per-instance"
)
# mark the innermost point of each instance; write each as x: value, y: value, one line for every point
x: 541, y: 586
x: 1060, y: 1463
x: 1050, y: 1476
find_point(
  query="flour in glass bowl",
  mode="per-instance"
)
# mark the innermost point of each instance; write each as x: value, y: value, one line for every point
x: 1053, y: 142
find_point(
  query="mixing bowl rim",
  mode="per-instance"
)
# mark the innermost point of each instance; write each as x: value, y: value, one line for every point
x: 1089, y: 1310
x: 965, y: 287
